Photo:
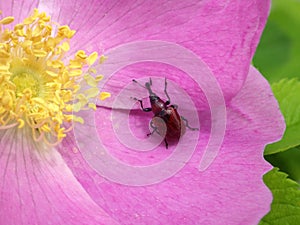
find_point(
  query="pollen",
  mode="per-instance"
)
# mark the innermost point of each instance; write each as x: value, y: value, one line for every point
x: 38, y: 89
x: 104, y: 95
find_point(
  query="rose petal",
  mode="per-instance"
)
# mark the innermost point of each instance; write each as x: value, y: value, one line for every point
x: 266, y: 122
x: 18, y: 9
x: 230, y: 191
x: 223, y: 33
x: 38, y: 188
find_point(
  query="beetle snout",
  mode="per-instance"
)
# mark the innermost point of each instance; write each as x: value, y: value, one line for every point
x: 153, y: 97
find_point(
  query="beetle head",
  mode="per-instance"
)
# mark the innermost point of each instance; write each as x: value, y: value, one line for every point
x: 153, y: 98
x: 148, y: 87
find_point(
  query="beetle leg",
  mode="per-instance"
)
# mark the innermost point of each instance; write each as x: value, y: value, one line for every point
x: 166, y: 93
x: 174, y: 106
x: 142, y: 106
x: 152, y: 132
x: 154, y: 129
x: 187, y: 124
x: 167, y: 145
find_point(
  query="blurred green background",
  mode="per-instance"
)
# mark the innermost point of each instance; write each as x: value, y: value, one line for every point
x: 278, y: 59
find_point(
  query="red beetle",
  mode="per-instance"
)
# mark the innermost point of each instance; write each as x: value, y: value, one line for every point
x: 166, y: 119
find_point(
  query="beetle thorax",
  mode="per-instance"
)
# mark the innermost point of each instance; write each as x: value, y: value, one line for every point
x: 157, y: 104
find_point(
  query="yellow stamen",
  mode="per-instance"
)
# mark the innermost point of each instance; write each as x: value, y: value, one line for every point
x: 38, y: 89
x: 7, y: 20
x: 104, y: 95
x: 102, y: 59
x: 92, y: 58
x: 21, y: 123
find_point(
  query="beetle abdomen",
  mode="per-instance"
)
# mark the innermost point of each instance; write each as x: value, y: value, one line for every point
x: 169, y: 124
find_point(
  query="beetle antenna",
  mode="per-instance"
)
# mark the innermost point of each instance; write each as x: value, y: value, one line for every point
x: 147, y: 86
x: 165, y: 90
x: 135, y: 81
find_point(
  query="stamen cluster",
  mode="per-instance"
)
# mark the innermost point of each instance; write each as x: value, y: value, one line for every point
x: 37, y: 88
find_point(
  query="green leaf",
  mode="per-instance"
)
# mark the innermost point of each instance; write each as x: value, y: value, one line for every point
x: 287, y: 92
x: 287, y: 161
x: 278, y: 54
x: 285, y: 208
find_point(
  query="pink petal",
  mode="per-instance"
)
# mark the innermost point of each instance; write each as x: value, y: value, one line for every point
x: 223, y: 33
x: 230, y: 191
x: 18, y: 9
x: 38, y: 188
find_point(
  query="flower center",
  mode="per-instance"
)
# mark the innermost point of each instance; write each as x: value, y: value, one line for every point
x: 38, y: 89
x: 26, y: 81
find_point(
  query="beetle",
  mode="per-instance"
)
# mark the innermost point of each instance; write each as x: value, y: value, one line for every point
x: 166, y: 120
